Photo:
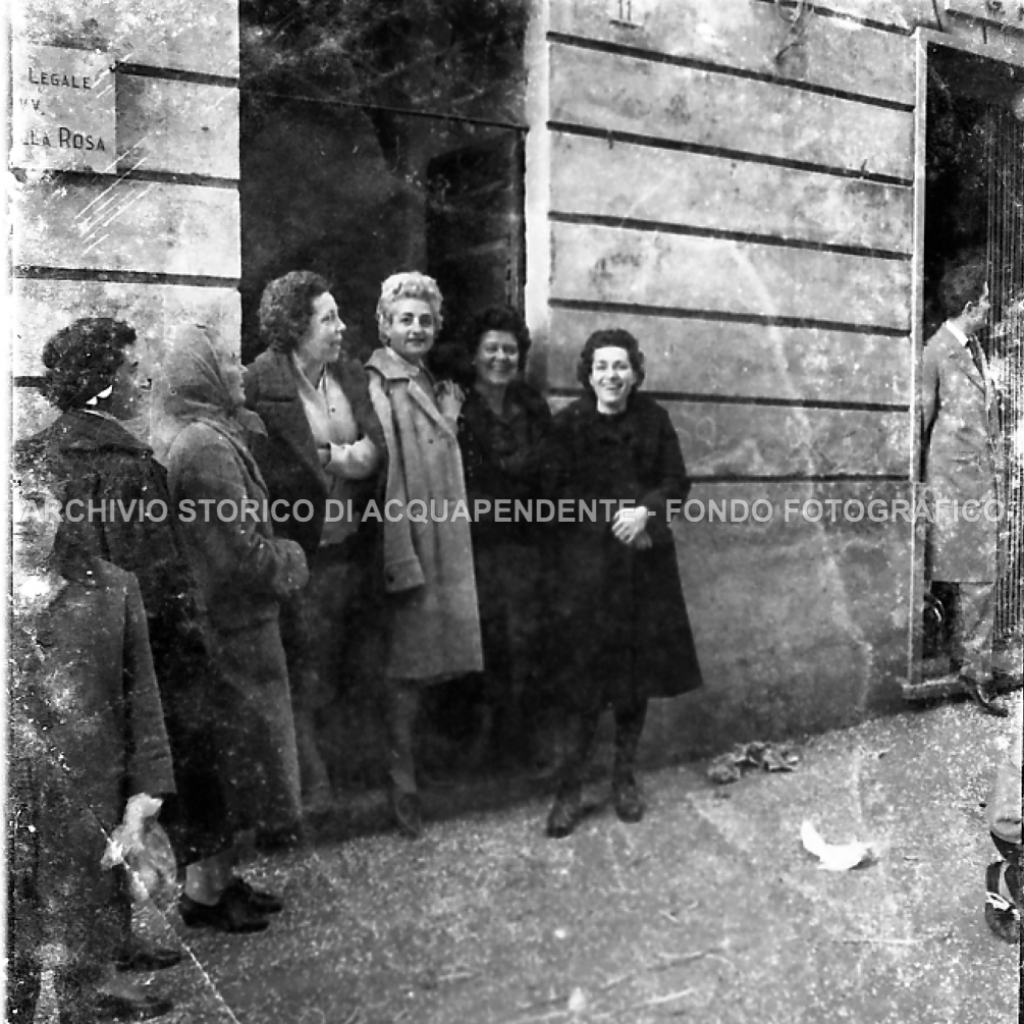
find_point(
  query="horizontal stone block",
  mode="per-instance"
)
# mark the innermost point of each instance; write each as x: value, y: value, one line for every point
x: 40, y: 308
x: 799, y: 626
x: 749, y: 34
x: 144, y: 226
x: 593, y: 176
x: 177, y: 126
x: 743, y: 360
x: 764, y: 440
x: 179, y: 34
x: 604, y: 264
x: 616, y: 93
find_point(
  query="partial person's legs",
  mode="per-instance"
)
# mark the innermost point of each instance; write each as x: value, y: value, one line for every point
x: 629, y: 725
x: 1003, y: 891
x: 973, y: 627
x: 403, y: 707
x: 298, y: 639
x: 580, y: 729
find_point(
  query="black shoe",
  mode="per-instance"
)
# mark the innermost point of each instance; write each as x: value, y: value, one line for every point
x: 629, y: 804
x: 261, y: 901
x: 405, y: 809
x: 231, y: 913
x: 1001, y: 915
x: 566, y: 813
x: 140, y: 956
x: 979, y: 694
x: 1003, y: 681
x: 130, y: 1007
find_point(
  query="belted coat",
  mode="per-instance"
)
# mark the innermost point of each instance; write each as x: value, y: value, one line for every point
x: 961, y: 462
x: 433, y: 619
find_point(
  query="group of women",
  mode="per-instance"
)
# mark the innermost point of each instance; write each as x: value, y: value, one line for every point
x: 254, y: 619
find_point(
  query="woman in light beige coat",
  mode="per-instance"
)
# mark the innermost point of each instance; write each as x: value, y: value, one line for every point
x: 433, y: 621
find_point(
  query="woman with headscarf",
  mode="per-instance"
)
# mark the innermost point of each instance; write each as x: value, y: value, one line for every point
x: 324, y: 447
x: 433, y: 624
x: 117, y: 507
x: 620, y: 619
x: 243, y: 573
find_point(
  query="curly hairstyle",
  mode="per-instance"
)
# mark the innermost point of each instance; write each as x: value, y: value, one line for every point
x: 286, y: 306
x: 611, y: 338
x: 962, y: 282
x: 407, y: 285
x: 498, y: 318
x: 82, y: 359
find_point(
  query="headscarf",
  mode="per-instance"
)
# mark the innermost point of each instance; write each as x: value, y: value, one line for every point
x: 191, y: 389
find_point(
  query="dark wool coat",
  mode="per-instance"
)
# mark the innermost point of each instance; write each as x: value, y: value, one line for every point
x: 98, y: 460
x: 86, y: 733
x: 621, y: 624
x: 961, y: 460
x: 287, y: 455
x: 501, y: 458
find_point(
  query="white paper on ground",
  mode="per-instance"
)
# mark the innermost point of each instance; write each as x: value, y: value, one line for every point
x: 833, y: 857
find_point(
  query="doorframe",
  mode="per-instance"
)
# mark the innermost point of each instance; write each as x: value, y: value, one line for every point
x: 923, y: 38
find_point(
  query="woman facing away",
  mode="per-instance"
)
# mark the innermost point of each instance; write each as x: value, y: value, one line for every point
x: 87, y: 746
x: 323, y: 443
x: 502, y: 428
x: 433, y: 624
x: 620, y: 618
x: 243, y: 572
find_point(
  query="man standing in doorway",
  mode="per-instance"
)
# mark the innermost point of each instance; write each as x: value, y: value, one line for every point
x: 962, y: 457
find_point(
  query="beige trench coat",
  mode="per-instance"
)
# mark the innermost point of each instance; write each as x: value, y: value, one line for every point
x: 961, y: 462
x: 433, y: 619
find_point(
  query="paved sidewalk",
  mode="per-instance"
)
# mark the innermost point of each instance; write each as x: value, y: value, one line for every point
x: 709, y: 910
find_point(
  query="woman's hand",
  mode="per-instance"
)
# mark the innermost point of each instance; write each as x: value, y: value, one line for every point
x: 449, y: 399
x: 630, y: 523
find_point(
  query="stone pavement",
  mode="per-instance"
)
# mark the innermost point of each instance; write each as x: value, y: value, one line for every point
x: 709, y: 910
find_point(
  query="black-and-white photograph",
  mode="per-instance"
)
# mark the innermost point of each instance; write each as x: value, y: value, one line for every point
x: 515, y: 511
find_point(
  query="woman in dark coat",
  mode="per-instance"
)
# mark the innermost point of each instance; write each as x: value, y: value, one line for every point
x: 502, y: 427
x: 243, y: 572
x: 324, y: 446
x: 87, y: 749
x: 620, y: 618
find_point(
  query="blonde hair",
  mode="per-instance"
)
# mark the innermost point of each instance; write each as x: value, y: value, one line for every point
x: 407, y: 285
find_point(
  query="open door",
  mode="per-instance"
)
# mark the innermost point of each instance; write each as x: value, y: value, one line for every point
x: 970, y: 194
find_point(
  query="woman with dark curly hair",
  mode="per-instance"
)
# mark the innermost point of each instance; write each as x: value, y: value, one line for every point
x: 621, y: 621
x: 323, y: 444
x: 503, y: 423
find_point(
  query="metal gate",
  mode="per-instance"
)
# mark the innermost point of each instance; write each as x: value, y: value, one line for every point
x: 1005, y: 153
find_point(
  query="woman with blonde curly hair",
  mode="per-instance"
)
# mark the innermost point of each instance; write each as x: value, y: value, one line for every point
x: 433, y: 625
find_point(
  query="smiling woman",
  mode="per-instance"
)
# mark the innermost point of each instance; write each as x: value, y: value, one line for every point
x: 623, y: 631
x: 323, y: 445
x: 433, y: 625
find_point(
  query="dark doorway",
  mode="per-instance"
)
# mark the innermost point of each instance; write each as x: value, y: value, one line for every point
x: 974, y: 200
x: 379, y: 136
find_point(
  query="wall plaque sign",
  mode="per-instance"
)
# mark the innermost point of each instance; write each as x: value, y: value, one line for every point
x: 64, y: 113
x: 1003, y: 12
